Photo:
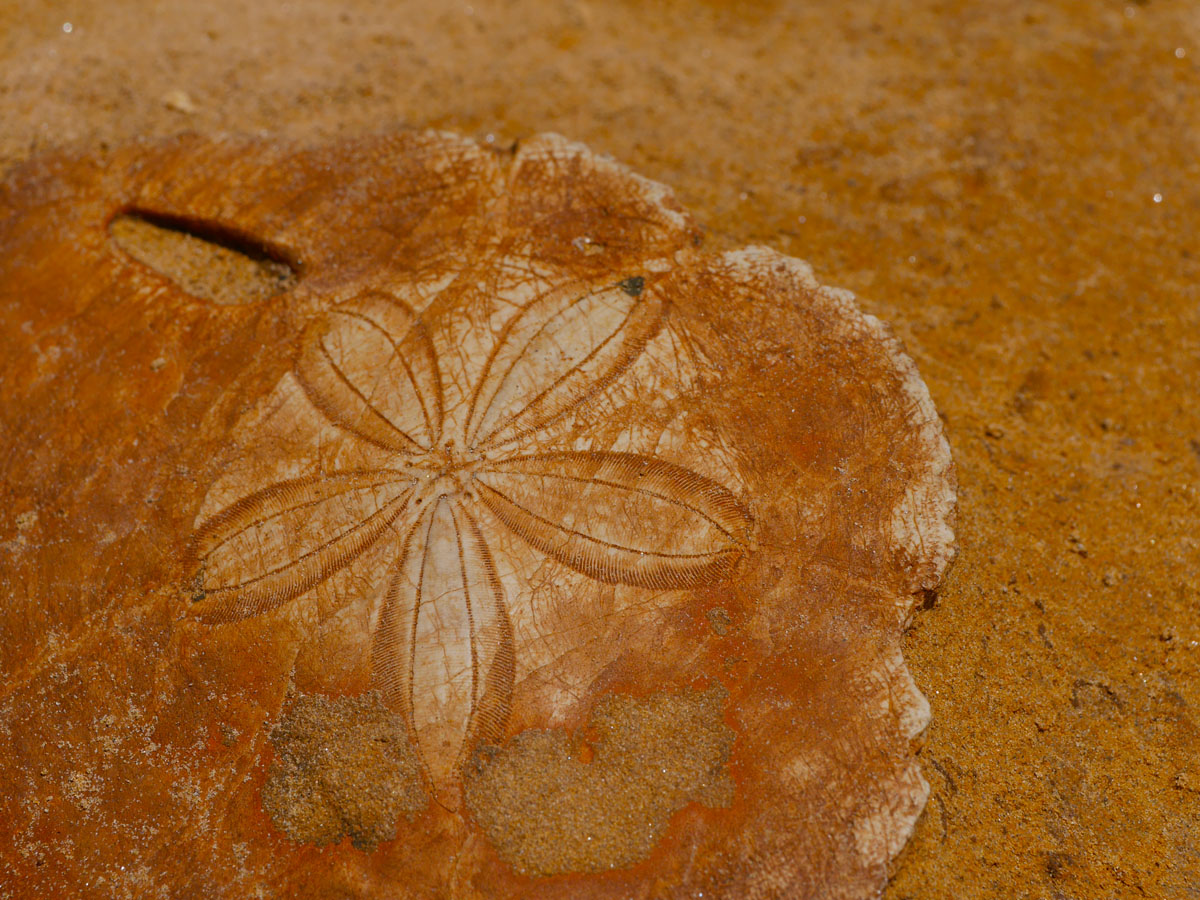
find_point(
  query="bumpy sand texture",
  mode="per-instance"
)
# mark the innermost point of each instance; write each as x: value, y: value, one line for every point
x: 553, y: 806
x: 344, y: 767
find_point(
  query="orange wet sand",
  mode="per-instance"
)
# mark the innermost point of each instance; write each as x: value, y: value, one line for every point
x: 985, y: 177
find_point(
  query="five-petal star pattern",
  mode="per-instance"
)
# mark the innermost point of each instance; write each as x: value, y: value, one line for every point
x: 443, y: 650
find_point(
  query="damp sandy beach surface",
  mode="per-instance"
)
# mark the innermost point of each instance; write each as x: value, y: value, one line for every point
x: 1013, y: 187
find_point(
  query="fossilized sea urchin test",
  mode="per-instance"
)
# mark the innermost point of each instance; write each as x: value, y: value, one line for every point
x: 403, y: 517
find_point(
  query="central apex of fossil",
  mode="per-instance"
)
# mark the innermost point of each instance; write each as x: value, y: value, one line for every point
x: 443, y: 472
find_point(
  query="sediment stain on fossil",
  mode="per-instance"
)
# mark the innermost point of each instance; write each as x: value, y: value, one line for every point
x: 344, y: 767
x: 553, y: 803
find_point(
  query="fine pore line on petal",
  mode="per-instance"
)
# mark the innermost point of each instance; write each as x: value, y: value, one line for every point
x: 563, y: 348
x: 620, y: 517
x: 443, y: 652
x: 370, y: 367
x: 280, y: 542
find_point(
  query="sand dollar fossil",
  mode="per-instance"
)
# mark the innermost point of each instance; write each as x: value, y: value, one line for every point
x: 409, y: 517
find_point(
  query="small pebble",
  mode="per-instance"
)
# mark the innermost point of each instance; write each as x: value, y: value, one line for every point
x: 179, y: 101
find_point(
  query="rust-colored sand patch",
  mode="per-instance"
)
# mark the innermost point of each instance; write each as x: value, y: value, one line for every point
x: 549, y: 810
x: 344, y: 767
